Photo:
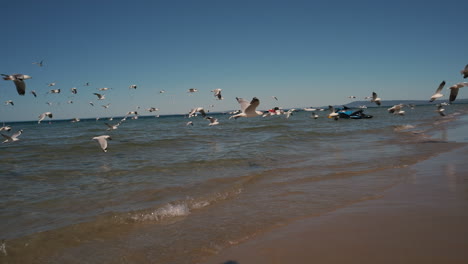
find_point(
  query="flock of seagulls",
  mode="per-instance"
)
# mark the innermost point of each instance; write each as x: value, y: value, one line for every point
x: 248, y: 109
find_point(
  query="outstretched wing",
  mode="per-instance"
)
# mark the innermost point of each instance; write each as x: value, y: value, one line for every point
x: 253, y: 105
x: 441, y: 85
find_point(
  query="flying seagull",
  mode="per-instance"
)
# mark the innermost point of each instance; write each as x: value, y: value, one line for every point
x: 192, y: 90
x: 440, y: 109
x: 375, y: 99
x: 74, y: 90
x: 54, y: 91
x: 217, y: 93
x: 9, y: 102
x: 43, y: 115
x: 13, y: 137
x: 213, y: 121
x: 34, y: 93
x: 100, y: 96
x: 40, y: 64
x: 396, y: 109
x: 194, y: 111
x: 454, y: 90
x: 51, y: 84
x: 464, y: 72
x: 248, y: 109
x: 18, y: 79
x: 133, y: 86
x: 437, y: 93
x: 102, y: 140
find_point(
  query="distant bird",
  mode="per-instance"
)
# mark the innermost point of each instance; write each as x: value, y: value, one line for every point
x: 396, y: 109
x: 113, y: 127
x: 314, y: 115
x: 437, y: 93
x: 34, y: 93
x: 75, y: 120
x: 44, y: 115
x: 91, y: 103
x: 217, y: 93
x: 213, y: 121
x: 454, y: 90
x: 13, y: 137
x: 290, y: 113
x: 102, y: 140
x: 189, y: 123
x: 352, y: 96
x: 5, y: 128
x: 333, y: 113
x: 376, y: 99
x: 440, y: 109
x: 49, y: 103
x: 100, y: 96
x: 40, y: 64
x: 86, y: 84
x: 51, y: 84
x: 152, y: 109
x: 54, y: 91
x: 70, y: 102
x: 162, y: 91
x: 248, y: 109
x: 192, y: 90
x: 18, y: 80
x: 464, y: 72
x: 104, y: 89
x: 274, y: 97
x: 9, y: 102
x: 74, y: 90
x: 194, y: 111
x: 106, y: 106
x: 133, y: 86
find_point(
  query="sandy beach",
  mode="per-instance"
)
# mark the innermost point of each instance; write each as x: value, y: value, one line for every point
x: 423, y: 219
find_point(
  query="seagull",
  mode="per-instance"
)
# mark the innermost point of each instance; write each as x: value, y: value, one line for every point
x: 43, y: 115
x: 34, y: 93
x: 333, y: 113
x: 440, y: 109
x: 102, y: 140
x: 314, y: 115
x: 375, y: 99
x: 9, y: 102
x: 54, y: 91
x: 100, y: 96
x: 40, y: 64
x: 396, y: 109
x: 70, y: 102
x: 51, y: 84
x: 133, y: 86
x: 352, y: 96
x: 217, y: 93
x: 162, y: 91
x: 274, y: 97
x: 18, y: 79
x: 464, y: 72
x: 248, y: 109
x: 454, y: 90
x: 74, y: 90
x: 5, y: 128
x: 213, y: 121
x: 194, y: 111
x: 189, y: 123
x: 13, y: 137
x: 437, y: 93
x: 289, y: 113
x: 104, y: 89
x: 86, y: 84
x: 192, y: 90
x: 152, y: 109
x: 106, y: 106
x: 113, y: 127
x: 74, y: 120
x: 91, y: 103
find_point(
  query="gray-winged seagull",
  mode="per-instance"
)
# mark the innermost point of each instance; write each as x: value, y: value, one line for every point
x: 18, y: 79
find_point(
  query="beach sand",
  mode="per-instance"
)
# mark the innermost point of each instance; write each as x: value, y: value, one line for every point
x: 423, y: 219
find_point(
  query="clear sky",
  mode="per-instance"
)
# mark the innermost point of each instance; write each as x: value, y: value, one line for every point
x: 306, y: 53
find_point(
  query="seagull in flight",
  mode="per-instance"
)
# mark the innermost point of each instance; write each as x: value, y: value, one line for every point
x: 34, y: 93
x: 217, y: 93
x: 9, y: 102
x: 74, y: 90
x: 213, y: 121
x: 396, y: 109
x: 13, y: 137
x: 100, y: 96
x: 248, y: 109
x: 40, y: 64
x: 54, y: 91
x: 454, y: 90
x: 104, y: 89
x: 192, y: 90
x: 44, y: 115
x: 113, y: 127
x: 102, y: 140
x: 133, y: 86
x: 18, y: 80
x: 194, y: 111
x: 437, y: 93
x: 440, y: 109
x: 464, y: 72
x: 375, y: 98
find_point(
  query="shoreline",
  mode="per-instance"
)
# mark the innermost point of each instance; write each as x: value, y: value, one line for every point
x: 423, y: 219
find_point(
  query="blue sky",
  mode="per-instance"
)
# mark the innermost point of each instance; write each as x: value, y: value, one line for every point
x: 306, y: 53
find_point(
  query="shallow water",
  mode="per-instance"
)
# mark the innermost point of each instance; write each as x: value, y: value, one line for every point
x: 168, y: 193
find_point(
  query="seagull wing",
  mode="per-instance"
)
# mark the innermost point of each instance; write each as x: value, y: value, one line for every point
x: 252, y: 106
x: 20, y: 86
x: 453, y: 94
x: 441, y: 85
x: 17, y: 134
x: 243, y: 103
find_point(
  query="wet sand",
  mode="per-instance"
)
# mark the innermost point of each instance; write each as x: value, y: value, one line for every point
x: 423, y: 219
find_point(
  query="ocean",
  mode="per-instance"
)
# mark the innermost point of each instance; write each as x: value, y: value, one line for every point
x: 165, y: 192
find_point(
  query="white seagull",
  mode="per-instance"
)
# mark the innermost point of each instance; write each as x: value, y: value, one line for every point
x: 100, y: 96
x: 43, y: 115
x: 18, y: 79
x: 54, y: 91
x: 113, y: 127
x: 437, y: 93
x: 40, y: 64
x: 440, y: 109
x: 51, y: 84
x: 396, y: 109
x: 192, y: 90
x: 194, y: 111
x: 5, y: 128
x: 375, y: 99
x: 454, y: 90
x: 13, y: 137
x: 102, y: 140
x: 104, y: 89
x: 217, y: 93
x: 9, y: 102
x: 333, y: 113
x: 133, y: 86
x: 314, y: 115
x: 213, y: 121
x: 248, y: 109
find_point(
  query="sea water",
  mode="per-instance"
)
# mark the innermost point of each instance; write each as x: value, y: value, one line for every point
x: 170, y: 193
